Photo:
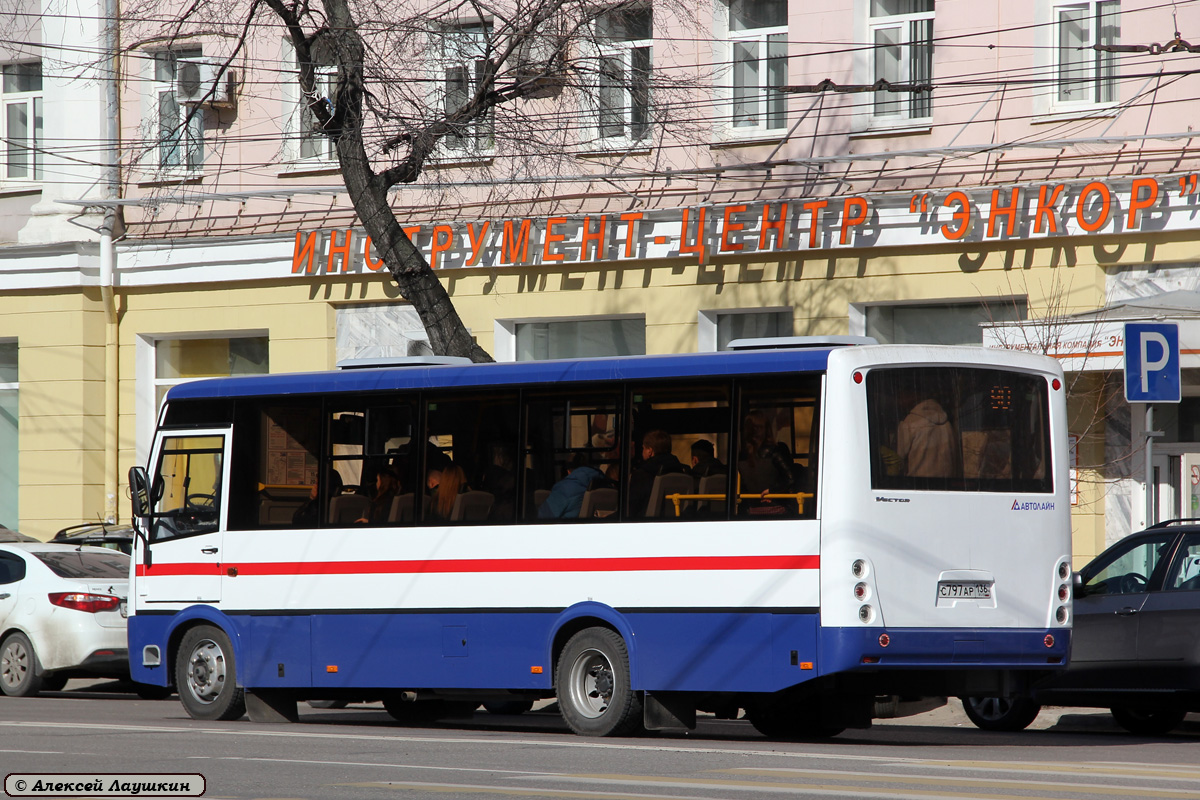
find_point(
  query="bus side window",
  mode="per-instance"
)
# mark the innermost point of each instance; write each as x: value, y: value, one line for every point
x: 470, y: 457
x: 571, y: 459
x: 680, y: 441
x: 777, y: 449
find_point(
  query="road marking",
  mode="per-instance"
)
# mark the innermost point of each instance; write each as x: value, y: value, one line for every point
x: 37, y: 752
x: 850, y: 777
x: 1097, y: 770
x: 1035, y: 786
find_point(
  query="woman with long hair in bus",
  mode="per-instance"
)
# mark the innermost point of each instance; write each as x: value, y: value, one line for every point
x: 445, y: 485
x: 387, y: 485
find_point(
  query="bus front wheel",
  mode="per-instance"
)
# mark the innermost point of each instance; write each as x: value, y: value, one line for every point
x: 593, y: 686
x: 206, y: 675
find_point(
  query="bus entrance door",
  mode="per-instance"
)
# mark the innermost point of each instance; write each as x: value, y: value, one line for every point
x: 182, y: 560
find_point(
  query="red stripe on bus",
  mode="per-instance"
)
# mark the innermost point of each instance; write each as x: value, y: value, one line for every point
x: 493, y: 565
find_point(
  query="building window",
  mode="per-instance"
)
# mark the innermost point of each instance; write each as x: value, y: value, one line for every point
x: 180, y: 360
x: 624, y: 36
x: 9, y: 453
x: 756, y: 54
x: 179, y: 124
x: 1085, y: 75
x: 716, y: 329
x: 901, y: 34
x: 940, y: 323
x: 578, y: 338
x: 22, y: 88
x: 464, y: 52
x: 314, y: 144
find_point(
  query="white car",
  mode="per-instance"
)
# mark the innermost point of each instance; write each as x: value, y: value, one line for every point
x: 62, y: 615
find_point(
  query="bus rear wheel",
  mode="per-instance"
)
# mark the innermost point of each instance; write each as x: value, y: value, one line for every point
x: 206, y: 675
x: 595, y: 696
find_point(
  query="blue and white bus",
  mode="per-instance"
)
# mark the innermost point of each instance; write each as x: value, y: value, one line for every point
x: 859, y: 521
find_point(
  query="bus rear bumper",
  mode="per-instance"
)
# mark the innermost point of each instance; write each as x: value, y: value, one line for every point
x: 881, y: 648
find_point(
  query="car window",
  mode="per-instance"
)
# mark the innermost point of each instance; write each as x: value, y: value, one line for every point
x: 1127, y: 567
x: 86, y: 563
x: 1185, y: 571
x: 12, y: 568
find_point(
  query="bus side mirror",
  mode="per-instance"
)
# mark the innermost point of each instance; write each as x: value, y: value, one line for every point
x: 139, y: 492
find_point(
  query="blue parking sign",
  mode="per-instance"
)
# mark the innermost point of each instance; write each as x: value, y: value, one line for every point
x: 1152, y: 362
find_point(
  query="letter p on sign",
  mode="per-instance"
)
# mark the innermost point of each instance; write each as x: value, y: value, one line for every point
x: 1152, y: 362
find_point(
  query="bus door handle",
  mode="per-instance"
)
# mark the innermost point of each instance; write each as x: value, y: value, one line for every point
x: 5, y: 596
x: 208, y: 551
x: 1127, y: 611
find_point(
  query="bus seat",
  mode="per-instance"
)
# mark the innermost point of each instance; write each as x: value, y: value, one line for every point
x: 472, y: 507
x: 402, y: 508
x: 664, y: 486
x: 596, y: 501
x: 712, y: 484
x: 346, y: 508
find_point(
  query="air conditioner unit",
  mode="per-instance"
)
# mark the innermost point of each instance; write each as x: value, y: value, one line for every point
x: 202, y: 82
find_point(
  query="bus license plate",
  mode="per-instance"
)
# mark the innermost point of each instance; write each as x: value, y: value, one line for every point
x: 964, y: 589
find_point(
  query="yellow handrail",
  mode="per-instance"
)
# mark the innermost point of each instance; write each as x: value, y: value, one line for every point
x: 799, y: 497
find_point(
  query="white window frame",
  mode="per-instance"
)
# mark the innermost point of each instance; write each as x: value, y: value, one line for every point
x: 726, y: 44
x: 1095, y: 64
x: 623, y: 52
x: 186, y: 136
x: 908, y: 112
x: 858, y: 311
x: 462, y: 48
x: 313, y: 146
x: 30, y: 101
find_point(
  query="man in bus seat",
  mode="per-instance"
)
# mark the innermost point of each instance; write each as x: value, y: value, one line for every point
x: 566, y: 496
x: 704, y: 460
x: 657, y: 459
x: 925, y: 442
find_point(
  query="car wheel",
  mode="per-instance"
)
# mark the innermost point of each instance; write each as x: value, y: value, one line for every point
x: 1148, y: 723
x: 206, y: 675
x: 594, y: 693
x: 509, y: 707
x: 1000, y: 713
x: 20, y: 673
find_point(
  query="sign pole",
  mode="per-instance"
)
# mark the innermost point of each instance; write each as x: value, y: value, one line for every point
x: 1152, y: 375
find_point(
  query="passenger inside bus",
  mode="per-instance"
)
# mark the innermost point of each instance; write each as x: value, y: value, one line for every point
x: 566, y: 496
x: 657, y: 459
x: 704, y: 460
x: 444, y: 486
x: 925, y: 442
x: 387, y: 486
x: 308, y: 514
x: 766, y: 466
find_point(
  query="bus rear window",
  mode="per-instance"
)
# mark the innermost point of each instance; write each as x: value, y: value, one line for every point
x: 959, y: 429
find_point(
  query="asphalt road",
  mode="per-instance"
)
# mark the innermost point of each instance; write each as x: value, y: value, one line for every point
x: 359, y: 752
